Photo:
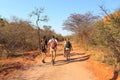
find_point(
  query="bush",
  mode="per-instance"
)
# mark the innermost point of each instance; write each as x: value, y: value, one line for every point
x: 107, y: 34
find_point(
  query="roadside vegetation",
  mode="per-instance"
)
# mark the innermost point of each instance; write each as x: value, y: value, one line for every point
x: 17, y: 38
x: 99, y: 35
x: 20, y: 36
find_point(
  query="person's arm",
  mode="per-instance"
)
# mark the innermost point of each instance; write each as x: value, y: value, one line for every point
x: 49, y: 42
x: 64, y: 44
x: 56, y: 43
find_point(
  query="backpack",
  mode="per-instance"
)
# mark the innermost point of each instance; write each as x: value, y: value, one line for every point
x: 68, y: 44
x: 45, y: 40
x: 53, y: 44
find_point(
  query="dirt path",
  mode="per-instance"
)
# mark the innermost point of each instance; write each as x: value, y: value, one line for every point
x: 82, y: 66
x: 62, y: 70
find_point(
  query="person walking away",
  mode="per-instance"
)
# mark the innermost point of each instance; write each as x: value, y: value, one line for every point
x: 68, y: 48
x: 43, y: 50
x: 53, y: 47
x: 46, y: 42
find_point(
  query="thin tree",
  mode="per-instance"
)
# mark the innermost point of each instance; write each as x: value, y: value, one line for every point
x: 37, y: 13
x: 105, y: 11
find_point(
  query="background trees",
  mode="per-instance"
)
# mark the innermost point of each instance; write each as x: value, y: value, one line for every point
x: 106, y: 32
x: 80, y: 25
x: 19, y: 36
x: 37, y: 13
x: 103, y: 34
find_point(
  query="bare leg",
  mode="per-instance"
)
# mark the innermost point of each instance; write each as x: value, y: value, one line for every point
x: 54, y: 55
x: 43, y: 57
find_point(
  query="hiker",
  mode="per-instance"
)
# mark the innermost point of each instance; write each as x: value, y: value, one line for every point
x: 53, y: 47
x: 43, y: 50
x: 68, y: 48
x: 45, y: 40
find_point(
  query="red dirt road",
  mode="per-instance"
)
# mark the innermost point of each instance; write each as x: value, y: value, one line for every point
x: 80, y: 67
x: 62, y: 70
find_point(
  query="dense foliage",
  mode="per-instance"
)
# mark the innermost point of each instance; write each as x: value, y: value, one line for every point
x: 19, y: 36
x: 101, y: 34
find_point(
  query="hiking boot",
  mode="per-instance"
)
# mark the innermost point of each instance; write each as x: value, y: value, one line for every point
x: 53, y: 62
x: 43, y: 61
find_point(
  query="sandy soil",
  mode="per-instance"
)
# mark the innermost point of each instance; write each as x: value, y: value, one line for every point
x: 81, y: 67
x: 62, y: 70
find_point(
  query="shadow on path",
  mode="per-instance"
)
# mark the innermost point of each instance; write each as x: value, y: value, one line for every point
x: 74, y: 53
x: 71, y: 54
x: 115, y: 76
x: 77, y: 59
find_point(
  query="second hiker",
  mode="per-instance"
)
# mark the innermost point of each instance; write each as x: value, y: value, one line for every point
x: 67, y: 48
x: 43, y: 50
x: 53, y: 48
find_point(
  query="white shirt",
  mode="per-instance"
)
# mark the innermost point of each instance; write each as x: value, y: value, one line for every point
x: 51, y: 41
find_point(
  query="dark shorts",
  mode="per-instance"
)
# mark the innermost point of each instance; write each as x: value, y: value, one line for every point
x: 43, y: 51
